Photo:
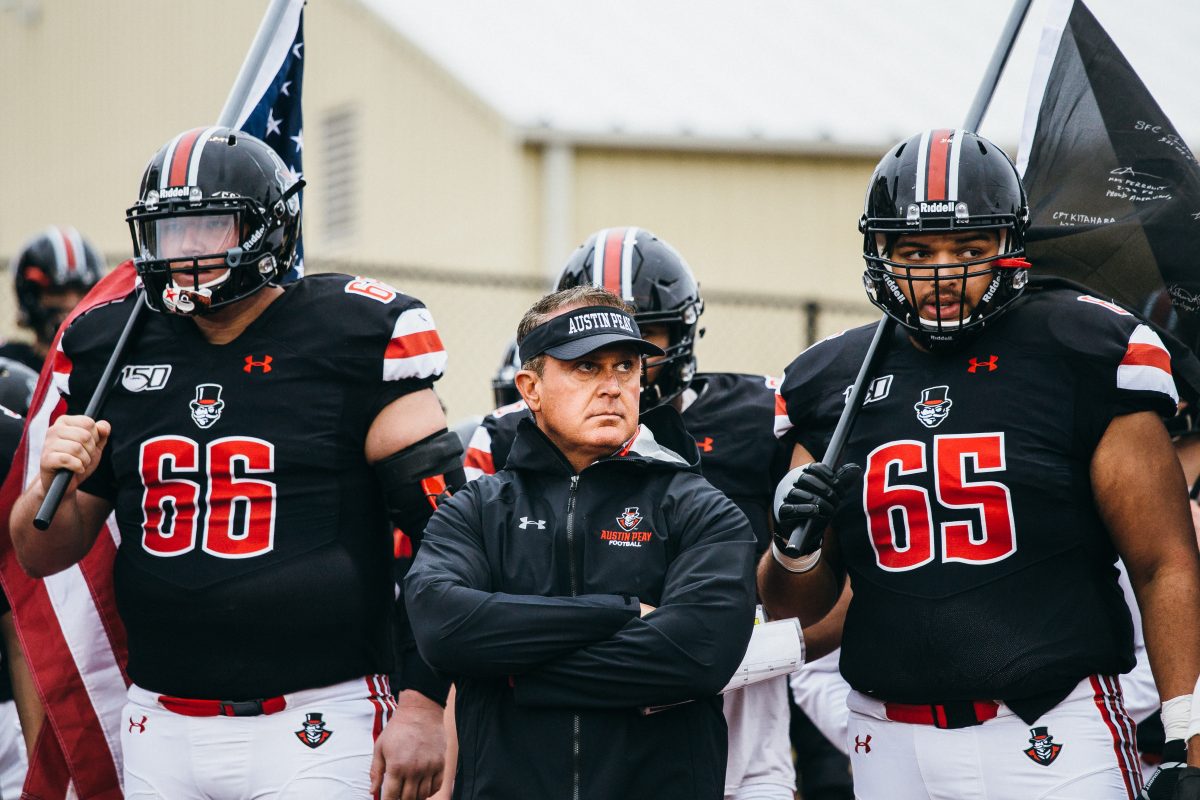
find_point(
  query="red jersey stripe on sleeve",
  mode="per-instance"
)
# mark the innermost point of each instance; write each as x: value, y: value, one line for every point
x: 1147, y: 355
x: 415, y: 349
x: 1146, y: 365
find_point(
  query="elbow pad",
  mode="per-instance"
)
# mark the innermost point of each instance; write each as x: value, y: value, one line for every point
x: 418, y: 477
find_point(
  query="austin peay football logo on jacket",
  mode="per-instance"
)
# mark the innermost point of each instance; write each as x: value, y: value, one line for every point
x: 629, y: 518
x: 628, y: 535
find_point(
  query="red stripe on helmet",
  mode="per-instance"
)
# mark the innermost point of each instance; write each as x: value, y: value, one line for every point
x: 183, y: 154
x: 612, y: 260
x: 937, y: 166
x: 69, y: 249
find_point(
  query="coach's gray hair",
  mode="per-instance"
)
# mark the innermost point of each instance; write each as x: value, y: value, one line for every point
x: 574, y: 297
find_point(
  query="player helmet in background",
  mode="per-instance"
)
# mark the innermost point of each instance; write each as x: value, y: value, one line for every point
x: 504, y: 382
x: 648, y: 273
x: 17, y: 383
x: 211, y: 185
x: 57, y: 259
x: 944, y: 181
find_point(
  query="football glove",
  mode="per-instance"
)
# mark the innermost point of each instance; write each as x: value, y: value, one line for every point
x: 813, y: 497
x: 1174, y: 779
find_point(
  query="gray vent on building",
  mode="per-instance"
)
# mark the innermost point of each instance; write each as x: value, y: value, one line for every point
x: 339, y: 137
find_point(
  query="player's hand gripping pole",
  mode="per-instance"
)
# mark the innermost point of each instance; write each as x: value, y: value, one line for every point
x: 807, y: 537
x: 62, y: 478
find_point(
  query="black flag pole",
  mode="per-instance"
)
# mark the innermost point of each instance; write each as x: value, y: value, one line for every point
x: 228, y: 119
x: 62, y: 478
x: 801, y: 540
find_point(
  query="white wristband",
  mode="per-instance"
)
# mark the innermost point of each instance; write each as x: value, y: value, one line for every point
x: 1176, y: 716
x: 1193, y: 728
x: 798, y: 565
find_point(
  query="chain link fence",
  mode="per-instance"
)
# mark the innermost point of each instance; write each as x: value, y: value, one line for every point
x: 477, y: 315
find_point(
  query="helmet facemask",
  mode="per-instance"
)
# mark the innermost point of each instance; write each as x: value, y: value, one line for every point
x: 675, y: 369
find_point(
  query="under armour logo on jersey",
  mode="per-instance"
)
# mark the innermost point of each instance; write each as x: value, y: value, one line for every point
x: 1044, y: 749
x: 264, y: 365
x: 975, y: 364
x: 862, y: 745
x: 526, y: 522
x: 705, y: 444
x: 141, y: 726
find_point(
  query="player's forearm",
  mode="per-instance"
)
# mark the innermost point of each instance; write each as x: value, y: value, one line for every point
x: 1170, y: 604
x: 65, y: 542
x: 807, y: 596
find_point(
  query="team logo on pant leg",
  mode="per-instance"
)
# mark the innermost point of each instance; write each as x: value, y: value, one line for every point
x: 208, y: 405
x: 934, y: 406
x: 313, y: 732
x: 1044, y: 750
x: 629, y: 518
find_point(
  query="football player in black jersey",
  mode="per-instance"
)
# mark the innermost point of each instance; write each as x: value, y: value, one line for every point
x: 260, y: 445
x: 729, y: 416
x: 52, y: 272
x: 1010, y: 449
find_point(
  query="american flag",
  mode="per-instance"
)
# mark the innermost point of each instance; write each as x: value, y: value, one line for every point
x: 272, y: 109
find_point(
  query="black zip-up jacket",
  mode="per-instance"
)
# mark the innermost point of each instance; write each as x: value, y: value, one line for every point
x: 526, y: 591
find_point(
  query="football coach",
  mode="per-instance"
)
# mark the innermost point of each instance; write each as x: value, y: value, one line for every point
x: 596, y: 575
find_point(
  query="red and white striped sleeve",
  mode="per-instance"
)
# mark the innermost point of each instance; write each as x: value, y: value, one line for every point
x: 478, y: 460
x: 415, y: 351
x: 1146, y: 365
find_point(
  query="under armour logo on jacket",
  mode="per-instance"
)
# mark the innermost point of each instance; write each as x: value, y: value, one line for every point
x: 526, y: 522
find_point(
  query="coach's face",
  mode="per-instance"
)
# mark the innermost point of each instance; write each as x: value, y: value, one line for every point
x: 587, y: 406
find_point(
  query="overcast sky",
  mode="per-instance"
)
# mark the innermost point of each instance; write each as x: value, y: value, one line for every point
x: 859, y: 72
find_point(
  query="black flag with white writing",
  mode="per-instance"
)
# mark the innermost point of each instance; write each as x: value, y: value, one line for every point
x: 1114, y: 191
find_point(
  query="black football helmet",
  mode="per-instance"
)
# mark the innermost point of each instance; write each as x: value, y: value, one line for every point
x: 648, y: 273
x: 504, y: 386
x: 55, y: 260
x: 213, y: 200
x: 944, y: 181
x: 17, y: 383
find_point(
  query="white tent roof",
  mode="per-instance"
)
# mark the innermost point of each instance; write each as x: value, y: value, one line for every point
x: 769, y: 74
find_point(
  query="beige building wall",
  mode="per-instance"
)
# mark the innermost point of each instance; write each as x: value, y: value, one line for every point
x: 412, y: 178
